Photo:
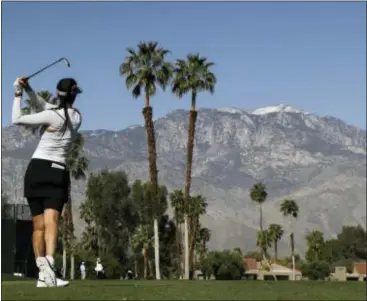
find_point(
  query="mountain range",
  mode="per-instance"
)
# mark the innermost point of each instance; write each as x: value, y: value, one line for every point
x: 319, y: 161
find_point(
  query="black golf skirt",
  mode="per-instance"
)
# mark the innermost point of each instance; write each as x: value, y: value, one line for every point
x: 46, y: 185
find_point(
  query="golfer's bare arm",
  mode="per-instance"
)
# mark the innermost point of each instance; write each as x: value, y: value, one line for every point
x: 47, y: 117
x: 39, y: 102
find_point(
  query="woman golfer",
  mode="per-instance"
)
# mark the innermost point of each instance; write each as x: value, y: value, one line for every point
x: 47, y: 179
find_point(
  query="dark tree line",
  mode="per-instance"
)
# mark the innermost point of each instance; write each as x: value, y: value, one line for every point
x: 119, y: 226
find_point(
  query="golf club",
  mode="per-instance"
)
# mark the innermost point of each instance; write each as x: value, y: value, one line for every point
x: 48, y: 66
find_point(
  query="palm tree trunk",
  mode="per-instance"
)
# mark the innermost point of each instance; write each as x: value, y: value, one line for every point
x: 186, y: 250
x: 190, y: 154
x: 72, y: 267
x: 183, y: 254
x: 261, y: 219
x: 70, y: 237
x: 152, y: 158
x: 156, y: 249
x: 261, y: 230
x: 293, y: 257
x: 64, y: 263
x: 193, y: 227
x: 276, y: 250
x: 178, y: 245
x: 150, y: 268
x: 145, y: 257
x: 65, y: 241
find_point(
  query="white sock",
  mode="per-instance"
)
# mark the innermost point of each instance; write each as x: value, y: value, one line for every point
x: 51, y: 260
x: 39, y: 261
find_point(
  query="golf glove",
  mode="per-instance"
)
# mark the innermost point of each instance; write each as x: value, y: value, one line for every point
x: 17, y: 87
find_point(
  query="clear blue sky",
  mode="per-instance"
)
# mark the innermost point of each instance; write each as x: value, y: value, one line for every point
x: 308, y: 55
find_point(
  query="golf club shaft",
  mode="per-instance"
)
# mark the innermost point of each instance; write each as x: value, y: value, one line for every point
x: 44, y: 68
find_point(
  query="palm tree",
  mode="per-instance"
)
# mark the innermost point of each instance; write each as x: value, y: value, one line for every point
x: 315, y: 242
x: 275, y: 233
x: 177, y: 203
x: 204, y: 235
x: 291, y: 209
x: 140, y: 240
x: 263, y: 241
x: 197, y: 207
x: 191, y: 76
x: 144, y: 69
x: 202, y: 240
x: 77, y: 164
x: 258, y: 194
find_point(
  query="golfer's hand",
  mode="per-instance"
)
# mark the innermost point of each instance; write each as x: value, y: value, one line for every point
x: 18, y: 89
x: 23, y: 82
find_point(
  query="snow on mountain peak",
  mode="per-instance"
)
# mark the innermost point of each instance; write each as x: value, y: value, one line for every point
x: 275, y: 109
x: 230, y: 110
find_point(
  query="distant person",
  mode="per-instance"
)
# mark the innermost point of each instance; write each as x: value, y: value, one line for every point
x: 129, y: 275
x: 83, y: 271
x: 47, y: 178
x: 99, y: 269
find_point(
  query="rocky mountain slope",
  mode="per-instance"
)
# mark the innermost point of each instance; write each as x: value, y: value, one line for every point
x: 318, y: 161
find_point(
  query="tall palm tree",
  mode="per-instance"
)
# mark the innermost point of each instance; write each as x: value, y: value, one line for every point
x: 193, y: 76
x: 289, y: 208
x: 144, y: 70
x: 258, y: 194
x: 275, y: 233
x: 77, y: 164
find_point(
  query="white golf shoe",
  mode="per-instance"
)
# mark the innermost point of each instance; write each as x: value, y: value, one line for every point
x: 46, y: 271
x: 59, y: 282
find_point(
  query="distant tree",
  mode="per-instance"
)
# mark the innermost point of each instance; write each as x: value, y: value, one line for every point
x: 353, y: 242
x: 331, y: 251
x: 167, y: 235
x: 115, y: 215
x: 196, y: 208
x: 316, y: 270
x: 275, y: 232
x: 315, y: 243
x: 144, y: 69
x: 193, y: 76
x: 264, y: 241
x: 142, y: 240
x: 141, y: 196
x: 203, y: 238
x: 78, y: 164
x: 289, y: 208
x: 224, y: 265
x: 177, y: 203
x: 258, y: 194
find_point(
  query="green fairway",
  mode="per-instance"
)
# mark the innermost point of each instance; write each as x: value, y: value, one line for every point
x: 187, y: 290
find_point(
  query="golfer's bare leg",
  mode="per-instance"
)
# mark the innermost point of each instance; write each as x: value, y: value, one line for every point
x: 51, y: 218
x: 38, y: 237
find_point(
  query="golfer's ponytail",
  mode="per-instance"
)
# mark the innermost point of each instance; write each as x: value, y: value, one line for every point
x: 67, y: 90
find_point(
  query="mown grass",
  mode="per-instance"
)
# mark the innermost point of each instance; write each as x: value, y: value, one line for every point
x: 187, y: 290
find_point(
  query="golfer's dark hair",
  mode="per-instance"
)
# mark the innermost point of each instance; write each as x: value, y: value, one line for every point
x: 68, y: 87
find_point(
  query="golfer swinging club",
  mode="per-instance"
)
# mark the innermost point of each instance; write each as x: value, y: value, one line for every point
x: 47, y: 179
